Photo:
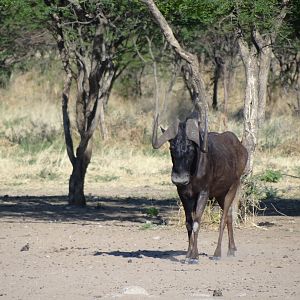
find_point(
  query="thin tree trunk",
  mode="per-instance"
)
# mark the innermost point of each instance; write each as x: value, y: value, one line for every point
x: 103, y: 128
x: 226, y: 88
x: 217, y: 73
x: 249, y: 139
x: 250, y: 112
x: 76, y: 181
x: 264, y: 67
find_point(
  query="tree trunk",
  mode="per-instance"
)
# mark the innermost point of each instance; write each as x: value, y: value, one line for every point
x: 76, y: 184
x: 249, y: 140
x: 103, y: 128
x: 217, y: 73
x: 76, y: 181
x: 264, y: 67
x: 226, y: 81
x: 250, y: 112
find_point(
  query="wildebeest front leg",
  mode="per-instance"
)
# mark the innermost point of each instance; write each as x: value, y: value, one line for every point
x: 188, y: 205
x: 200, y: 206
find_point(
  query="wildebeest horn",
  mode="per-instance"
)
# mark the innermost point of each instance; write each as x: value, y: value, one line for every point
x: 169, y: 134
x: 204, y: 136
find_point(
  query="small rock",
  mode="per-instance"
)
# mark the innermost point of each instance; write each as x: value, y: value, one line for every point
x: 135, y: 290
x: 242, y: 295
x: 217, y: 293
x: 25, y: 247
x: 201, y: 295
x: 129, y: 261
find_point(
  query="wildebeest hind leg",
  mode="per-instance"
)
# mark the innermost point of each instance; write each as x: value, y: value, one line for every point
x: 226, y: 219
x: 231, y: 243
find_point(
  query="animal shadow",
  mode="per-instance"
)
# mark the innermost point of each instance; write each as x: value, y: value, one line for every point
x: 140, y: 254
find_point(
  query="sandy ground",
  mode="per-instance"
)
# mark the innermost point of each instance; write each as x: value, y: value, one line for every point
x: 111, y: 249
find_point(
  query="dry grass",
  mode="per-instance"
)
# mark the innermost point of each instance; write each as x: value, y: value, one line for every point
x: 33, y: 157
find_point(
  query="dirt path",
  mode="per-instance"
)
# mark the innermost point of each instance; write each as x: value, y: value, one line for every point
x: 110, y: 250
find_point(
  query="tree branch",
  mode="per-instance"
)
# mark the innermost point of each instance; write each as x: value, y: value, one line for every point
x: 167, y: 31
x: 66, y: 119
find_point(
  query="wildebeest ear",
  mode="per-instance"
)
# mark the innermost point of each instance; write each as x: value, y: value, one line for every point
x: 162, y: 129
x: 192, y: 131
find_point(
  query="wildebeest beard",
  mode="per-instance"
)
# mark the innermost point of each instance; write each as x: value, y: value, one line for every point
x: 184, y: 157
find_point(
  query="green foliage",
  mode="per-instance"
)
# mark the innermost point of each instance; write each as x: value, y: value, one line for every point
x: 271, y: 176
x: 252, y: 193
x: 148, y: 225
x: 21, y: 24
x: 123, y: 21
x: 152, y: 211
x: 270, y: 193
x: 18, y: 18
x: 253, y: 189
x: 197, y: 21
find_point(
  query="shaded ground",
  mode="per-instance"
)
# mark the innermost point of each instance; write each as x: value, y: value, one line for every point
x: 113, y: 249
x: 104, y: 209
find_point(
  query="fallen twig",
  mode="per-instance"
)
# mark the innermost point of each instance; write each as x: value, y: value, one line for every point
x: 260, y: 227
x: 293, y: 176
x: 278, y: 211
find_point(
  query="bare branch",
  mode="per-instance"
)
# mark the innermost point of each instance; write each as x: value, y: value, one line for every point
x: 155, y: 75
x: 175, y: 70
x: 66, y: 119
x: 139, y: 53
x: 279, y: 19
x: 167, y: 31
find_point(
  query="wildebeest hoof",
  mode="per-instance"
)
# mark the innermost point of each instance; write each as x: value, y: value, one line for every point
x: 231, y: 253
x: 192, y: 261
x: 215, y: 257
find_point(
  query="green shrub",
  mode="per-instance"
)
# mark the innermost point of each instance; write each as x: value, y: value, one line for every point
x: 152, y: 211
x: 148, y: 225
x: 252, y: 193
x: 270, y: 193
x: 271, y: 176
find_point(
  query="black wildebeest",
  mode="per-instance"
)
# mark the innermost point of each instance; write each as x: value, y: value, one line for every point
x: 205, y: 166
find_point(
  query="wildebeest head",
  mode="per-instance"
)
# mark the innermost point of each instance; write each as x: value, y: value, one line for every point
x: 185, y: 143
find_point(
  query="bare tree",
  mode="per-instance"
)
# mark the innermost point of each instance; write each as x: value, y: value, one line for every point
x: 256, y: 57
x: 92, y: 39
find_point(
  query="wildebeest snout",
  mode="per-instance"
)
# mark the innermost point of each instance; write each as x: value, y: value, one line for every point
x: 180, y: 179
